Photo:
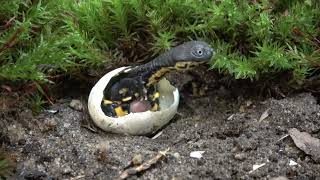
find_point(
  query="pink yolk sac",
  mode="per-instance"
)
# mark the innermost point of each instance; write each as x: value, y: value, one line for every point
x: 139, y: 106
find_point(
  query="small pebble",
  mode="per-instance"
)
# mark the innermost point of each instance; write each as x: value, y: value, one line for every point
x: 103, y: 146
x: 76, y: 105
x: 66, y: 125
x: 240, y: 156
x: 176, y: 155
x: 137, y: 159
x: 50, y: 124
x: 67, y: 169
x: 15, y: 133
x: 279, y: 178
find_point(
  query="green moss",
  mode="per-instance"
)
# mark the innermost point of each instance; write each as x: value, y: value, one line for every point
x: 252, y: 38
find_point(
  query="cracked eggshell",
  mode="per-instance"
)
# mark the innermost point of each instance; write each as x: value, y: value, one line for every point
x: 134, y: 123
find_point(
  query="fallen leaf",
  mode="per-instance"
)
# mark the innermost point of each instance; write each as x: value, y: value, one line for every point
x: 157, y: 135
x: 292, y: 163
x: 257, y: 166
x: 230, y: 117
x: 7, y: 88
x: 282, y: 137
x: 196, y: 154
x: 264, y: 115
x: 306, y: 143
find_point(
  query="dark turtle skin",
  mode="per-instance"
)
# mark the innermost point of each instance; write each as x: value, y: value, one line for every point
x: 138, y: 83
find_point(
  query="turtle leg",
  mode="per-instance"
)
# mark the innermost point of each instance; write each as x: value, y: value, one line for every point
x: 121, y: 110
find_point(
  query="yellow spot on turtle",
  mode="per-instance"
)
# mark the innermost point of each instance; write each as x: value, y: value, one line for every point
x: 106, y: 102
x: 158, y: 75
x: 155, y: 96
x: 120, y: 112
x: 155, y: 107
x: 123, y: 90
x: 185, y: 65
x: 127, y: 99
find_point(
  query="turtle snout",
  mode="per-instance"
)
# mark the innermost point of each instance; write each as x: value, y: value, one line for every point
x: 210, y: 51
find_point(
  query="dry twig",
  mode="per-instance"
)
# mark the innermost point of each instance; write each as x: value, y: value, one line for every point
x: 144, y: 166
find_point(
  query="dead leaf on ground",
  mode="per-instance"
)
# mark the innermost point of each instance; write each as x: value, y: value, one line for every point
x: 264, y: 115
x: 256, y: 166
x: 144, y: 166
x: 306, y: 143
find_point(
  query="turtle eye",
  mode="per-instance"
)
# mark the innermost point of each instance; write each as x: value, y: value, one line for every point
x: 198, y: 52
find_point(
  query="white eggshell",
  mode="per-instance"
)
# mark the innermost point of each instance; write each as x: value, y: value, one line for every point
x: 134, y: 123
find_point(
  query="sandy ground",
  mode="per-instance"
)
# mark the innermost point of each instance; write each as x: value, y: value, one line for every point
x: 230, y: 131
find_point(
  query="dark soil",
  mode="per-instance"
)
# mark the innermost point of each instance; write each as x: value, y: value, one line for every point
x: 229, y: 130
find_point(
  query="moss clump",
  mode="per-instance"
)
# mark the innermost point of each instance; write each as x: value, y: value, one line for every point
x: 252, y: 38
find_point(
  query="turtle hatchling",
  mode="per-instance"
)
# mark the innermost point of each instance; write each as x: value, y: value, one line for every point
x: 138, y: 100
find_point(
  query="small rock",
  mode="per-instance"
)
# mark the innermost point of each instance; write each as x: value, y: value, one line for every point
x: 76, y: 105
x: 67, y: 170
x: 103, y: 146
x: 240, y: 156
x: 66, y: 125
x: 16, y: 133
x: 182, y: 138
x: 199, y: 144
x: 235, y: 149
x: 242, y: 109
x: 137, y: 159
x: 176, y: 155
x: 279, y: 178
x: 57, y: 162
x: 50, y: 124
x: 176, y: 178
x: 101, y: 152
x: 248, y: 103
x: 26, y: 114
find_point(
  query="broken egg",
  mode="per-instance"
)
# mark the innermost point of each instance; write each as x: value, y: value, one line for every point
x: 139, y: 123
